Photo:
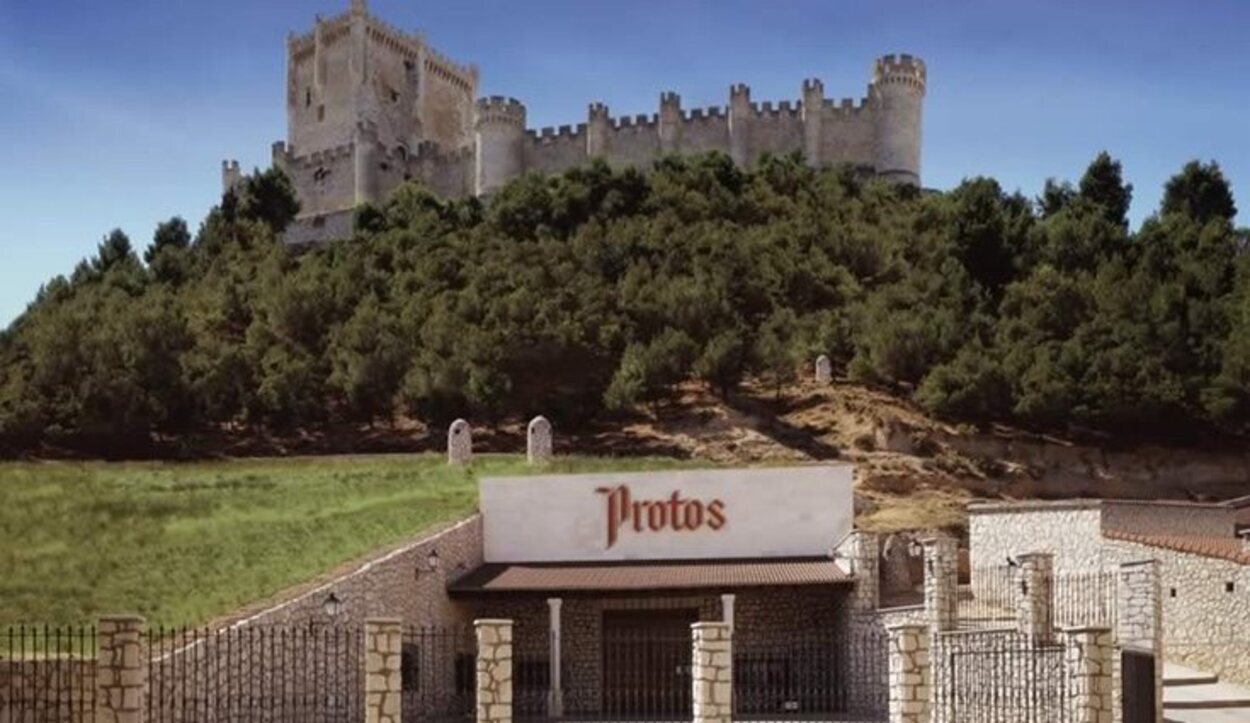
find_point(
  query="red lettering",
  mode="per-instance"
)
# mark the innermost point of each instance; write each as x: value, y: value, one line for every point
x: 693, y: 514
x: 716, y: 514
x: 654, y: 521
x: 674, y: 509
x: 638, y: 508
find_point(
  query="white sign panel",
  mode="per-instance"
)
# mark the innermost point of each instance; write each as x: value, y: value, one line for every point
x: 674, y: 515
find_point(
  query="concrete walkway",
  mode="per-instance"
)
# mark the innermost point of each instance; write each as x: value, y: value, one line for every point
x: 1191, y: 696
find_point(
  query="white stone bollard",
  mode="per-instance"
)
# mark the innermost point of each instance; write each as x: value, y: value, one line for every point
x: 824, y: 370
x: 538, y: 441
x: 459, y: 443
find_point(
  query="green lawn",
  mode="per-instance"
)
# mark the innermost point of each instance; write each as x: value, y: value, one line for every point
x: 182, y: 543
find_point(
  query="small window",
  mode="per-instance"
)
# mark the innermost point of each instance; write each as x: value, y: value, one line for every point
x: 408, y: 66
x: 1172, y: 592
x: 1229, y: 586
x: 321, y: 112
x: 394, y: 96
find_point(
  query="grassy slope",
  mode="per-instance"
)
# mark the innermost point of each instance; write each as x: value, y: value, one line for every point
x: 182, y: 543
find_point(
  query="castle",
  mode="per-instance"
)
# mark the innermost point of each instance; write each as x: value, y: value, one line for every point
x: 370, y: 107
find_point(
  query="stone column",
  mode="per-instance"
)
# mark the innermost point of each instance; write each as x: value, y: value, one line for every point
x: 459, y: 443
x: 1139, y: 619
x: 121, y: 675
x: 862, y: 549
x: 941, y: 583
x: 538, y: 441
x: 494, y: 671
x: 1035, y: 599
x: 712, y: 674
x: 383, y: 680
x: 1087, y: 658
x: 727, y: 609
x: 910, y: 678
x: 555, y: 703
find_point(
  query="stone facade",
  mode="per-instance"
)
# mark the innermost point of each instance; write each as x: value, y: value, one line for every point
x: 910, y: 671
x: 712, y: 672
x: 121, y: 675
x: 494, y: 671
x: 538, y: 441
x: 370, y: 107
x: 1071, y: 531
x: 382, y: 643
x: 1088, y: 657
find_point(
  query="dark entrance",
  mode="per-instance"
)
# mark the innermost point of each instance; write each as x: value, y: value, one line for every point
x: 646, y: 663
x: 1139, y: 687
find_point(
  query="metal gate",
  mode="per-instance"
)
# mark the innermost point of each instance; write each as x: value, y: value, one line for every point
x: 1014, y: 683
x: 1138, y: 699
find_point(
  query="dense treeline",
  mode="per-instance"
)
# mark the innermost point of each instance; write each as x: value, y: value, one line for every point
x: 601, y: 289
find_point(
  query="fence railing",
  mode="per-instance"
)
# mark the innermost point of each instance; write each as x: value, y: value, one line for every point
x: 1079, y: 598
x: 998, y: 677
x: 47, y: 674
x: 438, y: 674
x: 290, y: 674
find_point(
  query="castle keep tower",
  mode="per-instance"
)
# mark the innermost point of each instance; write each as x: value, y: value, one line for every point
x: 897, y: 92
x: 499, y: 137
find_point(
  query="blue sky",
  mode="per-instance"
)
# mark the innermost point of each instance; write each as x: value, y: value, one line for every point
x: 117, y: 114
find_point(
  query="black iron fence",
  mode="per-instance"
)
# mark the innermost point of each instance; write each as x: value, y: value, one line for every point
x: 290, y: 674
x: 1001, y: 678
x: 438, y: 674
x: 47, y: 674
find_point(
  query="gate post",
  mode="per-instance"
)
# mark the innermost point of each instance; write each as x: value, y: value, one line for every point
x: 383, y: 676
x: 494, y: 670
x: 1139, y: 628
x: 712, y: 673
x: 911, y: 676
x: 121, y: 677
x: 1087, y: 657
x: 941, y: 583
x: 1035, y: 599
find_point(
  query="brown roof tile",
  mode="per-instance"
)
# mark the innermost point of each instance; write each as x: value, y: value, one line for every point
x: 1223, y: 548
x: 643, y: 576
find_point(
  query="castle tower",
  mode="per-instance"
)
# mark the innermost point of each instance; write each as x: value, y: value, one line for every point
x: 499, y: 139
x: 598, y: 124
x: 231, y: 176
x: 740, y: 124
x: 897, y: 94
x: 813, y: 117
x: 670, y: 122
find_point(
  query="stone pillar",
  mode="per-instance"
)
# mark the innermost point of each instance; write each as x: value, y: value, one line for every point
x: 862, y: 550
x: 712, y: 674
x: 824, y: 370
x: 911, y: 675
x: 459, y: 443
x: 1035, y: 598
x: 941, y: 583
x: 1087, y: 663
x: 740, y: 117
x: 538, y: 441
x: 121, y: 675
x: 1139, y: 618
x: 555, y: 704
x: 813, y: 120
x: 727, y: 609
x: 383, y: 680
x: 670, y: 122
x: 494, y: 671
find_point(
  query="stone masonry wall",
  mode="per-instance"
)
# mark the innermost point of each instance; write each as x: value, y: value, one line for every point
x: 383, y: 681
x: 910, y: 674
x: 120, y: 672
x: 494, y: 671
x: 712, y: 673
x: 1071, y: 531
x: 1206, y: 625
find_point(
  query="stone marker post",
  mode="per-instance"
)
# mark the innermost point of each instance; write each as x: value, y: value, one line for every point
x: 824, y: 369
x: 494, y: 671
x: 1088, y: 653
x: 121, y: 675
x: 538, y: 441
x: 1035, y: 599
x: 712, y: 675
x: 911, y: 673
x: 459, y: 443
x: 383, y: 676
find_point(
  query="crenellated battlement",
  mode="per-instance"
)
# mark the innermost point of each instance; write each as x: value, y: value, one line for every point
x: 670, y: 98
x: 784, y: 108
x: 899, y: 69
x: 702, y: 114
x: 552, y: 134
x: 598, y: 111
x: 846, y: 106
x: 813, y: 85
x: 641, y: 121
x: 499, y: 110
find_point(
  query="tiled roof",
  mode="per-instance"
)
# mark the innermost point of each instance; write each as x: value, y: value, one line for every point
x: 649, y: 575
x: 1223, y: 548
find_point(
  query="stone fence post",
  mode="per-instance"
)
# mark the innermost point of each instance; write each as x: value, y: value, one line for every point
x: 383, y: 677
x: 941, y: 583
x: 121, y: 674
x: 712, y: 673
x: 1139, y: 623
x: 1087, y: 662
x: 1035, y: 599
x: 459, y: 443
x: 911, y: 673
x: 862, y: 549
x: 494, y: 671
x: 538, y: 441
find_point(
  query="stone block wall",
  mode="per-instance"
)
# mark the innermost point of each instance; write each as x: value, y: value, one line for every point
x: 712, y: 672
x: 1069, y: 530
